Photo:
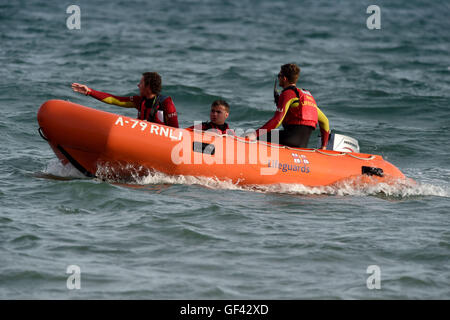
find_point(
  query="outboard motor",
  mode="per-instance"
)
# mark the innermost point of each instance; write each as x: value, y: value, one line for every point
x: 339, y: 142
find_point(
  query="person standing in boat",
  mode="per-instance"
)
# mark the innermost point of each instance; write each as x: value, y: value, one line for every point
x: 220, y: 110
x: 151, y: 105
x: 296, y: 110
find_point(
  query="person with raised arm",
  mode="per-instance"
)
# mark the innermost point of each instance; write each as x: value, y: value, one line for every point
x: 151, y: 105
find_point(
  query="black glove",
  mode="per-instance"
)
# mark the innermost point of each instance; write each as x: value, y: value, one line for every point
x: 276, y: 95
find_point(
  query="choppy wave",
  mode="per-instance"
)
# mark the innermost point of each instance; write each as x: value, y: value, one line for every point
x: 55, y: 169
x: 396, y: 189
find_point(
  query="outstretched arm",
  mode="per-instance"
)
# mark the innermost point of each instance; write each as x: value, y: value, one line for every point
x: 126, y: 102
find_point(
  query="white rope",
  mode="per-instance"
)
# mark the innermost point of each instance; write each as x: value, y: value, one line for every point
x: 241, y: 139
x: 367, y: 159
x: 331, y: 154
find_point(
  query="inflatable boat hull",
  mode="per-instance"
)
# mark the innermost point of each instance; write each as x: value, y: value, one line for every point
x: 108, y: 145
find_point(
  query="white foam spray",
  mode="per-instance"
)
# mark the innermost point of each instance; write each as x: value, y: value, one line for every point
x: 55, y: 168
x: 354, y: 187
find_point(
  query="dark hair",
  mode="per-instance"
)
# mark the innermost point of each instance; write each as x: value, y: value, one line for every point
x: 291, y: 71
x: 152, y: 80
x: 217, y: 103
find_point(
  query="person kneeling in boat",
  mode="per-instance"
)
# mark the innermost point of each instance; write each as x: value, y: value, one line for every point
x: 151, y: 105
x: 220, y: 110
x: 296, y: 110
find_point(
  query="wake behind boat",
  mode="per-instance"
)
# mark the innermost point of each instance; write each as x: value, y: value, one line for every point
x: 92, y: 140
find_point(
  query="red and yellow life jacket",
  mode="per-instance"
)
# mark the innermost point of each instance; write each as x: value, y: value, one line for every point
x: 303, y: 112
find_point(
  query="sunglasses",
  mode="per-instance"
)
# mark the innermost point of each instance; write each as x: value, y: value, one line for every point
x: 280, y: 75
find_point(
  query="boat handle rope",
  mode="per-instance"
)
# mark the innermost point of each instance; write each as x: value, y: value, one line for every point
x: 42, y: 134
x: 297, y: 149
x: 369, y: 158
x: 273, y: 146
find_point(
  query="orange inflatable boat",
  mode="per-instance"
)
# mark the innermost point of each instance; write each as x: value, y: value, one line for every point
x: 108, y: 145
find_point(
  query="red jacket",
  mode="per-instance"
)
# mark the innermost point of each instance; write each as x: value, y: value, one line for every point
x: 298, y: 109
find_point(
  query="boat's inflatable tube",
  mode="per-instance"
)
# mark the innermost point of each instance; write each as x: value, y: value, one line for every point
x: 96, y: 142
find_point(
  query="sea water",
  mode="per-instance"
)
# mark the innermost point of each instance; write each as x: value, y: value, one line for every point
x: 162, y: 237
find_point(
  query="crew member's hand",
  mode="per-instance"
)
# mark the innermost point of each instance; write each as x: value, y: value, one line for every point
x: 81, y: 88
x: 251, y: 136
x: 324, y: 135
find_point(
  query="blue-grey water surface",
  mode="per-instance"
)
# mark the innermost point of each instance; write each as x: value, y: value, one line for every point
x: 187, y: 238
